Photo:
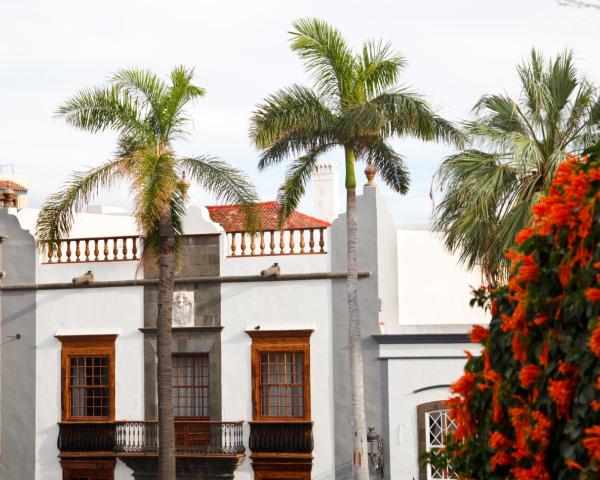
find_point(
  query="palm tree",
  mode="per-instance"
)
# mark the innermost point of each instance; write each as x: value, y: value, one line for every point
x: 515, y: 147
x: 148, y: 114
x: 355, y: 105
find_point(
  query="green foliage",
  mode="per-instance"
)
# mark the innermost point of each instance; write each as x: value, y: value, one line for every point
x: 355, y: 104
x: 515, y: 146
x: 528, y: 407
x: 149, y: 114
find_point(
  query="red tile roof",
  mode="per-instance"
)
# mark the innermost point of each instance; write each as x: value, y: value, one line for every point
x: 6, y: 184
x: 231, y: 218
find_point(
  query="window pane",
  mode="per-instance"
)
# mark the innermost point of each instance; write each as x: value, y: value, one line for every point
x: 190, y: 385
x: 281, y: 384
x: 88, y: 386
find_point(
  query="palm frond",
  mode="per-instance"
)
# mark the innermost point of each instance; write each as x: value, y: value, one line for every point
x: 297, y: 176
x: 326, y: 55
x: 379, y: 68
x: 101, y: 108
x: 388, y: 164
x: 409, y: 114
x: 180, y: 94
x: 56, y: 216
x: 228, y: 184
x: 154, y: 185
x: 289, y: 122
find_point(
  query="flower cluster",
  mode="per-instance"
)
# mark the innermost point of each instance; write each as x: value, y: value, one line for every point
x: 529, y: 406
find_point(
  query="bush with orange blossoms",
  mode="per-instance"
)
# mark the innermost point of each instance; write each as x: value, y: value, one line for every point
x: 528, y: 408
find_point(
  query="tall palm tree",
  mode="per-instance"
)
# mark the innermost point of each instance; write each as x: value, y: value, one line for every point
x: 515, y: 147
x: 148, y: 114
x: 355, y: 105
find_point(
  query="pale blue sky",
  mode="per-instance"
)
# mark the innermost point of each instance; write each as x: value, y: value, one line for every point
x: 456, y: 51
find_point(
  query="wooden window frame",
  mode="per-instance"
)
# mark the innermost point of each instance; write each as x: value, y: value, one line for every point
x: 194, y: 355
x: 81, y: 346
x: 280, y: 341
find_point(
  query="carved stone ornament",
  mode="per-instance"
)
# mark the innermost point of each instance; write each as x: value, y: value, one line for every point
x: 183, y: 309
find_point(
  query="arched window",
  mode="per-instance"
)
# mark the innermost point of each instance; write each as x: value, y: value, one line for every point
x: 433, y: 424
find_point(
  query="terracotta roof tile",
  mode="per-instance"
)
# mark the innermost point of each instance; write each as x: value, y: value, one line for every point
x: 231, y: 218
x: 6, y: 184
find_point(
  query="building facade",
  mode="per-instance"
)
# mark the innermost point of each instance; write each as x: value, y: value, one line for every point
x: 260, y: 370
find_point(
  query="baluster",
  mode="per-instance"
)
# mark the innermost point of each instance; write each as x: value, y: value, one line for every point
x: 322, y: 240
x: 68, y: 251
x: 233, y: 245
x: 252, y: 244
x: 262, y: 243
x: 292, y: 242
x: 77, y: 251
x: 50, y: 251
x: 311, y: 240
x: 281, y: 242
x: 125, y: 248
x: 59, y: 252
x: 134, y: 248
x: 115, y: 249
x: 302, y: 244
x: 243, y: 245
x: 105, y: 249
x: 272, y: 242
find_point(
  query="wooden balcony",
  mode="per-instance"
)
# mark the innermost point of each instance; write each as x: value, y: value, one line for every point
x: 94, y: 249
x: 298, y: 241
x: 192, y: 438
x: 281, y: 437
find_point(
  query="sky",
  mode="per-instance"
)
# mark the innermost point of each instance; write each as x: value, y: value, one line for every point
x: 456, y: 51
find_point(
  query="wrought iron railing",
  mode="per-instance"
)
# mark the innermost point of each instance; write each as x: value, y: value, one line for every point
x: 191, y: 437
x: 281, y: 437
x: 86, y: 437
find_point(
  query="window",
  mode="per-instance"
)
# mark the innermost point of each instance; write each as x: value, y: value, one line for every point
x: 434, y: 424
x: 88, y: 366
x: 281, y: 374
x: 190, y: 385
x: 282, y: 384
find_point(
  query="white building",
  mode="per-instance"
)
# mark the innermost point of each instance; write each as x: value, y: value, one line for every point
x: 260, y: 379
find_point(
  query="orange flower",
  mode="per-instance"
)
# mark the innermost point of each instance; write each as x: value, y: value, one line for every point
x: 592, y: 294
x: 561, y: 393
x: 592, y: 442
x: 541, y: 319
x: 594, y: 341
x: 524, y: 235
x: 596, y: 405
x: 519, y: 350
x: 501, y: 459
x: 540, y: 432
x: 498, y: 440
x: 529, y: 375
x: 464, y: 385
x: 573, y: 465
x: 479, y: 334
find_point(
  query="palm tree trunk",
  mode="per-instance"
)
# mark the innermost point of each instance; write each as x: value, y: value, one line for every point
x: 166, y: 285
x: 360, y: 461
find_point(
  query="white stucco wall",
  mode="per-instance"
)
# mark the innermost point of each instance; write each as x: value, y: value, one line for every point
x: 433, y: 288
x: 279, y: 305
x: 410, y: 368
x: 86, y: 312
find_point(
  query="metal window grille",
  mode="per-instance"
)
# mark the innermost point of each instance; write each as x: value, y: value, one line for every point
x: 437, y: 424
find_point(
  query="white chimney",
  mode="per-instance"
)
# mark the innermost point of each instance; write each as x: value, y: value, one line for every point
x: 326, y: 191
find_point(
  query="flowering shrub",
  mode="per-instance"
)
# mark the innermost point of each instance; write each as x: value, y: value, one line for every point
x: 528, y: 408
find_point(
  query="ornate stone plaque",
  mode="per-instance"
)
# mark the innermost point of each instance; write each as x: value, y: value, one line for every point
x: 183, y: 309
